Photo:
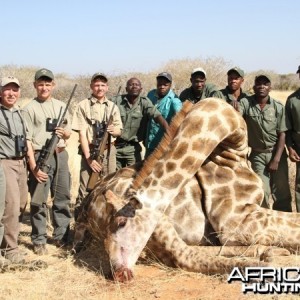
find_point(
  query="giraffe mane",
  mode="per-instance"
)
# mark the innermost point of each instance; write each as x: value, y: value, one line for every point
x: 162, y: 146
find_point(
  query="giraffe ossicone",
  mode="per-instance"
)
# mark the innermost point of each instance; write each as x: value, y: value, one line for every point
x: 198, y: 182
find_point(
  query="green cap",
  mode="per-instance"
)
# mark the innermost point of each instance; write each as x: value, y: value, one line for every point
x: 262, y: 76
x: 43, y: 73
x: 237, y: 70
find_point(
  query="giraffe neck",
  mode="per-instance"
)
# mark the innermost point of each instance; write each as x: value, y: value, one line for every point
x: 204, y: 128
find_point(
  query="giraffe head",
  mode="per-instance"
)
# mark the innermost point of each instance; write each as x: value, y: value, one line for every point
x: 127, y: 233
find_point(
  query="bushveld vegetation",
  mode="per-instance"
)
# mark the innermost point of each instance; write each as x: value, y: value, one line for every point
x: 216, y: 68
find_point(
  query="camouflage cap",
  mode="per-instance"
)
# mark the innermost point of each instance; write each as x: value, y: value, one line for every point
x: 9, y: 79
x: 236, y: 70
x: 166, y: 75
x: 100, y: 76
x: 261, y: 76
x: 198, y: 70
x: 43, y: 73
x: 298, y: 71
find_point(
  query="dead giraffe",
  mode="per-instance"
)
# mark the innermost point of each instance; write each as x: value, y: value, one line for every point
x: 211, y: 142
x: 184, y: 216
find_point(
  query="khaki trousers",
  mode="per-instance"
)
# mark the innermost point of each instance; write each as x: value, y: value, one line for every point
x: 15, y: 201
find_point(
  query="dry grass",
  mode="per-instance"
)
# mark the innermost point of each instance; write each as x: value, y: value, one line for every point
x: 87, y: 275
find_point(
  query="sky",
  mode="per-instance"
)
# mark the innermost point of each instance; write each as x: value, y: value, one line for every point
x: 83, y: 37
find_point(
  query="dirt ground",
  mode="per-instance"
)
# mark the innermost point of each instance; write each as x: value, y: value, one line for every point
x: 87, y: 275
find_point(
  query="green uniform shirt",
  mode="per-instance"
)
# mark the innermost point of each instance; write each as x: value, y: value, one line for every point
x: 35, y: 114
x: 263, y: 125
x: 227, y: 95
x: 292, y: 108
x: 188, y: 94
x: 135, y: 117
x: 11, y: 125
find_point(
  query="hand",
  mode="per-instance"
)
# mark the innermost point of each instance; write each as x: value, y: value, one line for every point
x: 293, y: 155
x: 94, y: 165
x: 40, y: 175
x: 273, y: 165
x: 236, y: 105
x: 111, y: 129
x: 60, y: 132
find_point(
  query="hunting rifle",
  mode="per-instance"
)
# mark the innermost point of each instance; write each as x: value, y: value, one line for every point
x: 46, y: 154
x: 98, y: 151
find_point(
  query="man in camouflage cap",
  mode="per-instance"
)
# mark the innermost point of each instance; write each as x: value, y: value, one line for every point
x: 292, y: 108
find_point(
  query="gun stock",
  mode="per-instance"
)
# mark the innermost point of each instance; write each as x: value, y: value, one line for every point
x: 46, y: 154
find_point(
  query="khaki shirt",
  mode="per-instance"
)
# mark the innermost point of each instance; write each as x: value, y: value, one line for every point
x: 292, y: 109
x: 90, y: 110
x: 11, y: 125
x: 35, y: 114
x: 263, y: 125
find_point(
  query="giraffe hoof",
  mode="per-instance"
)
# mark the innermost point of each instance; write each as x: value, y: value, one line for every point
x: 123, y: 275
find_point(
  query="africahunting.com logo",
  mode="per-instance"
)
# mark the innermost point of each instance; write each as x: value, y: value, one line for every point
x: 267, y: 280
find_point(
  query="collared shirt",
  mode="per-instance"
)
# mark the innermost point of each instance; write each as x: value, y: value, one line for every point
x: 227, y: 95
x: 135, y: 117
x: 36, y: 113
x: 11, y: 125
x: 90, y: 110
x: 263, y: 124
x: 168, y: 106
x: 188, y: 93
x: 292, y: 109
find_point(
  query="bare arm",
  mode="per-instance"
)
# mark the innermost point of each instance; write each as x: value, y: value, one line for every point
x: 273, y: 165
x: 162, y: 122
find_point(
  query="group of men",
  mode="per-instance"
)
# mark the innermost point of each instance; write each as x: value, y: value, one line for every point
x: 128, y: 120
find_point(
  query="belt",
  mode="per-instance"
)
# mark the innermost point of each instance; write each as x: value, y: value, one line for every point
x: 13, y: 158
x: 123, y: 143
x: 266, y: 150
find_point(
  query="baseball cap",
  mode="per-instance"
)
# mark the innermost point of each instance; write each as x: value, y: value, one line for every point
x: 43, y: 73
x: 260, y: 76
x: 9, y: 79
x: 198, y: 70
x: 237, y: 70
x: 99, y: 75
x: 298, y: 71
x: 165, y: 75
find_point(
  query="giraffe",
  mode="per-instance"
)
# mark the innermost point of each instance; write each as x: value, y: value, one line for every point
x: 124, y: 230
x: 178, y: 234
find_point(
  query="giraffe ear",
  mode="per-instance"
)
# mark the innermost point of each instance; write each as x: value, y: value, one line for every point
x: 114, y: 200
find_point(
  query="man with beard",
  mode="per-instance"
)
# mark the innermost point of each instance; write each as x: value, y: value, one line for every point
x: 233, y: 92
x: 136, y: 112
x: 266, y: 123
x: 168, y: 104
